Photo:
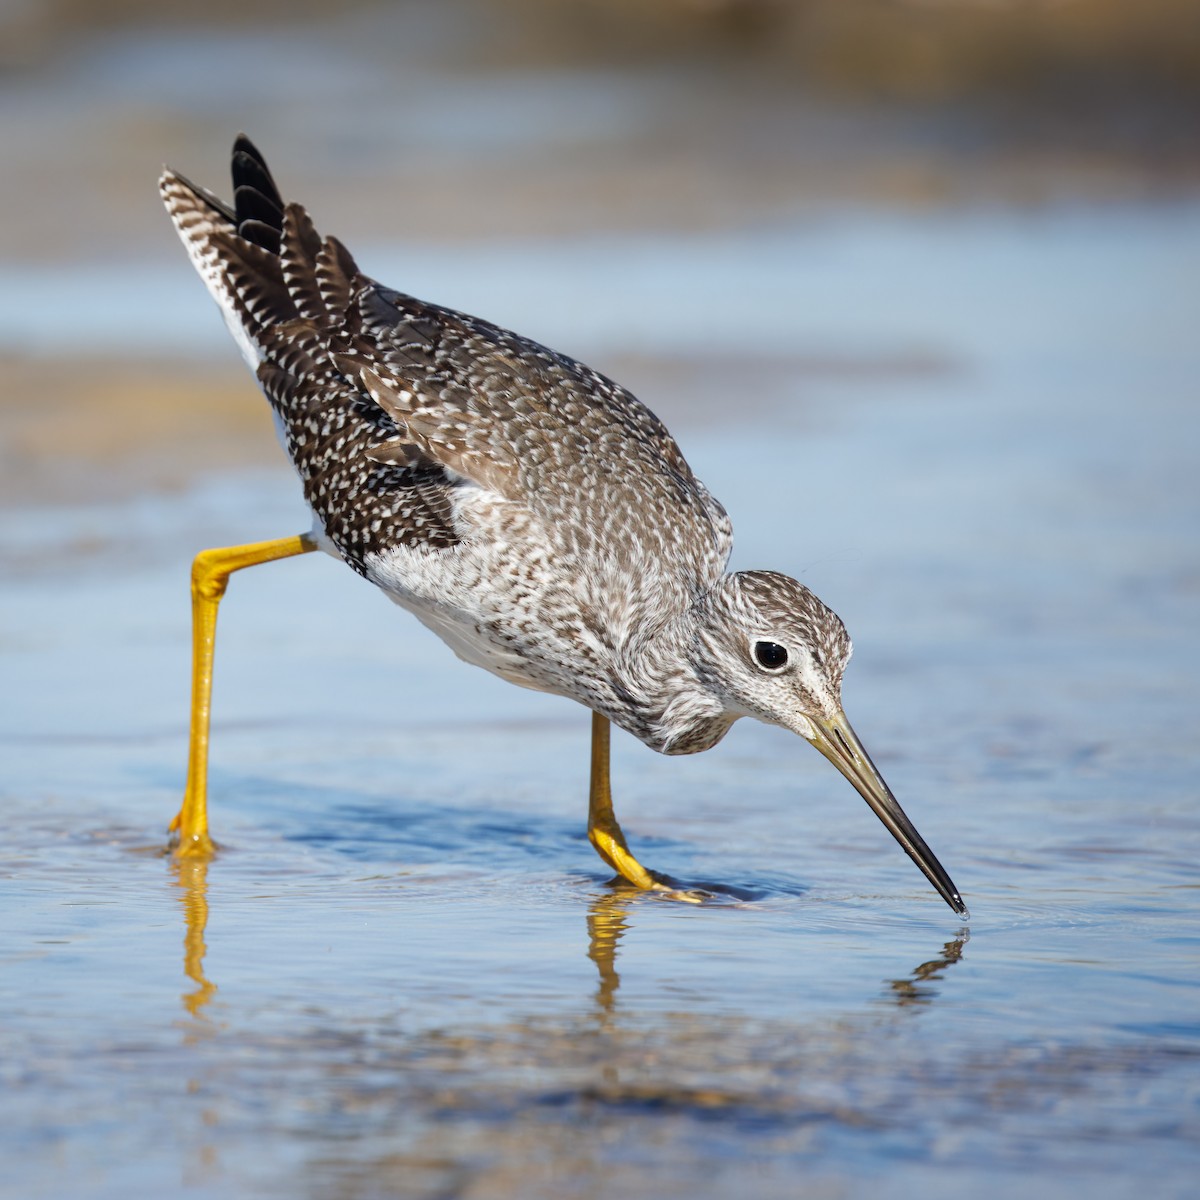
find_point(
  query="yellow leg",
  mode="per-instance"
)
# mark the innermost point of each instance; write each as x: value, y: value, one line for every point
x: 603, y: 831
x: 210, y: 577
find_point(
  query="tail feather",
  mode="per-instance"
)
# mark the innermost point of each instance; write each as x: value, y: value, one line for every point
x: 262, y: 261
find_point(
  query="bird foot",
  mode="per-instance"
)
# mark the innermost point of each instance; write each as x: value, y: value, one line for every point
x: 196, y: 844
x: 666, y: 887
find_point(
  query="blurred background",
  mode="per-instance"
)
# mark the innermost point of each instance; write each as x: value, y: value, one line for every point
x: 516, y: 123
x: 473, y: 123
x: 915, y: 284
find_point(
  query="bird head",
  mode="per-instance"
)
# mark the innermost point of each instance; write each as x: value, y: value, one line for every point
x: 770, y: 649
x: 766, y: 647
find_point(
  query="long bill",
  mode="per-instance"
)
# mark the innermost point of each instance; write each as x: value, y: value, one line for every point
x: 839, y: 743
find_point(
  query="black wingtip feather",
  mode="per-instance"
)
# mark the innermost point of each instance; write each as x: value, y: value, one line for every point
x: 257, y: 202
x: 261, y: 234
x: 242, y: 144
x: 252, y: 205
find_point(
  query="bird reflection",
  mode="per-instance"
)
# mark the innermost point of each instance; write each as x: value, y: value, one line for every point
x: 608, y: 921
x: 191, y: 877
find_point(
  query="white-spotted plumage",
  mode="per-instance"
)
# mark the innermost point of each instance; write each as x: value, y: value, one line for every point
x: 509, y: 496
x: 533, y: 513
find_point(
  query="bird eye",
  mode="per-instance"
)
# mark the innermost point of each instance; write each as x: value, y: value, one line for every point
x: 770, y: 655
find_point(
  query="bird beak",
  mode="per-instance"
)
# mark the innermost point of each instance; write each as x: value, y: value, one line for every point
x: 839, y: 743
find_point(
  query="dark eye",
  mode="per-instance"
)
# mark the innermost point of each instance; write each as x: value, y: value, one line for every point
x: 770, y: 655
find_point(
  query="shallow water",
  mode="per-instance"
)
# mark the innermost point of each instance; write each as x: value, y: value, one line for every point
x: 405, y: 973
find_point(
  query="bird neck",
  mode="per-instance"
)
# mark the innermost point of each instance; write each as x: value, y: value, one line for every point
x: 673, y: 711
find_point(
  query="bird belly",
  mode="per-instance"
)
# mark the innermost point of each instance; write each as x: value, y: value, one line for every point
x: 475, y: 646
x: 452, y: 592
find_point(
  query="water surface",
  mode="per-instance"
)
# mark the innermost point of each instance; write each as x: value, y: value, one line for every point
x: 406, y: 972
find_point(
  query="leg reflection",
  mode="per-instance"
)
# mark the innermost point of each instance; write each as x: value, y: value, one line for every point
x: 606, y: 924
x: 191, y: 876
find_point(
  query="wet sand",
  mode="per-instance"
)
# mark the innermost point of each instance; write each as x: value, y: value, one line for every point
x: 85, y: 430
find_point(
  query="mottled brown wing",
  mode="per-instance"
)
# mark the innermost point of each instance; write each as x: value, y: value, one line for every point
x: 389, y: 406
x: 284, y: 292
x: 537, y: 427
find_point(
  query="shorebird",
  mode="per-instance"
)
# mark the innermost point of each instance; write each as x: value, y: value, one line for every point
x: 531, y: 512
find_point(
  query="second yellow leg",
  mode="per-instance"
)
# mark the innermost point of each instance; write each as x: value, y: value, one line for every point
x: 603, y: 830
x: 210, y: 577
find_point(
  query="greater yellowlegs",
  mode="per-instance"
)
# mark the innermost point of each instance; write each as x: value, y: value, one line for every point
x: 534, y: 514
